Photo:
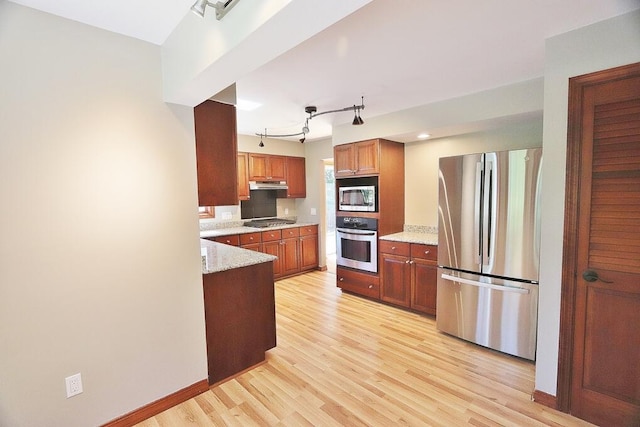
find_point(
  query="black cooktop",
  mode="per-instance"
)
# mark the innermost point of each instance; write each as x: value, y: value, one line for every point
x: 268, y: 222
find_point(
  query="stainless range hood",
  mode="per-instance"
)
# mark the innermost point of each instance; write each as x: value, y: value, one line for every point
x: 258, y: 185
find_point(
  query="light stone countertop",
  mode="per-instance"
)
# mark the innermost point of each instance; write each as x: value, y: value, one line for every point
x: 413, y: 237
x: 220, y: 257
x: 244, y: 230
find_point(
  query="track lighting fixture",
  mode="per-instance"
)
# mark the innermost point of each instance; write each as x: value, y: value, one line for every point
x: 221, y: 7
x: 312, y: 111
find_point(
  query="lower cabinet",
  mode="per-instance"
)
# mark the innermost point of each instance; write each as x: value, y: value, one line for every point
x: 364, y: 284
x: 295, y: 247
x: 408, y: 275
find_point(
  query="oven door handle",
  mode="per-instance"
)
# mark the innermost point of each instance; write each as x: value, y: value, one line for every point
x: 358, y: 233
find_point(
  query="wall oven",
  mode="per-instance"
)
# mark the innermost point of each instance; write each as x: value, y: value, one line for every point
x: 357, y: 243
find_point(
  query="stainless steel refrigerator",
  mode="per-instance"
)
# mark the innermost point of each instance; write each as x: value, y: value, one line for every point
x: 488, y: 249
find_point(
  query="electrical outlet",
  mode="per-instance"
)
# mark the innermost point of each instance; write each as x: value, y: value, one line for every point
x: 313, y: 211
x: 74, y: 385
x: 226, y: 215
x: 286, y: 211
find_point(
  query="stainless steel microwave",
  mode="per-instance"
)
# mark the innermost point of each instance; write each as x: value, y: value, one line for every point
x: 361, y: 198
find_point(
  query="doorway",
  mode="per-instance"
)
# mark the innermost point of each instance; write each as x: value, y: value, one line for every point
x: 330, y: 214
x: 598, y: 364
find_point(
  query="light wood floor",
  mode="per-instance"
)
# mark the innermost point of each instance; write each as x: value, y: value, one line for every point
x: 346, y: 361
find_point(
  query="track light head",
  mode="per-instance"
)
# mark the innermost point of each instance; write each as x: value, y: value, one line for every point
x: 261, y: 144
x: 303, y: 139
x: 199, y: 6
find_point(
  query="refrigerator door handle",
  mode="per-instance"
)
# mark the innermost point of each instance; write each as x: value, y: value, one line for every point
x: 488, y: 220
x: 502, y: 288
x: 478, y: 203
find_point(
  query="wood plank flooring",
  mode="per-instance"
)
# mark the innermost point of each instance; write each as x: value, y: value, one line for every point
x: 345, y: 361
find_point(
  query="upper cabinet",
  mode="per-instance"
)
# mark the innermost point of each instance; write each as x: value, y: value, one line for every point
x: 216, y: 153
x: 243, y: 176
x: 267, y: 167
x: 264, y: 167
x: 296, y: 180
x: 357, y: 158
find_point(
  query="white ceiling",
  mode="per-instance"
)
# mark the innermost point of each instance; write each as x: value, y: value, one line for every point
x: 398, y: 54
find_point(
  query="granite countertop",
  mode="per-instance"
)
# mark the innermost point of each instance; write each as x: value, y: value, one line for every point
x: 413, y: 237
x: 244, y: 230
x: 220, y: 257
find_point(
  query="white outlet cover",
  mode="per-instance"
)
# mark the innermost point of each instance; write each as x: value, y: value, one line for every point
x: 74, y: 385
x: 313, y: 211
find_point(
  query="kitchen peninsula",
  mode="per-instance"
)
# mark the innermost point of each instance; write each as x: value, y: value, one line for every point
x: 239, y: 308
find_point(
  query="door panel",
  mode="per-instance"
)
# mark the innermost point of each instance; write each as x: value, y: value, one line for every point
x: 602, y: 253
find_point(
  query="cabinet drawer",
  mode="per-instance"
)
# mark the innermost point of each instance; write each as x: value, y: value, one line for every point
x: 428, y: 252
x: 288, y: 233
x: 395, y: 248
x: 270, y: 236
x: 308, y: 230
x: 232, y: 240
x: 358, y: 283
x: 250, y: 238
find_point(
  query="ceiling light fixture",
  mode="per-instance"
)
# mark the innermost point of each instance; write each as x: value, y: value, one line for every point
x: 312, y: 111
x: 221, y: 7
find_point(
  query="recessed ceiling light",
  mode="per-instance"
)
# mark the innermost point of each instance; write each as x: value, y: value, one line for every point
x: 244, y: 105
x: 423, y: 136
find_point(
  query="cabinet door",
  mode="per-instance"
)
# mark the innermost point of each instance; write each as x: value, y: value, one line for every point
x: 395, y: 285
x: 296, y: 180
x: 366, y: 157
x: 424, y: 277
x: 216, y: 150
x: 358, y: 283
x: 343, y: 160
x: 258, y: 167
x: 277, y: 168
x: 243, y: 176
x: 273, y: 248
x: 309, y: 252
x: 289, y: 249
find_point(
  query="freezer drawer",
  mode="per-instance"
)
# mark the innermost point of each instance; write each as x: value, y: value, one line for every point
x: 495, y: 313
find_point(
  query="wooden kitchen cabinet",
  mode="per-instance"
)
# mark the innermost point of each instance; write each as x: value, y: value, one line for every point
x: 243, y: 176
x: 239, y: 312
x: 216, y: 148
x: 308, y: 247
x: 296, y: 179
x: 356, y: 282
x: 356, y: 158
x: 232, y: 239
x: 264, y: 167
x: 408, y: 275
x: 251, y: 241
x: 424, y: 277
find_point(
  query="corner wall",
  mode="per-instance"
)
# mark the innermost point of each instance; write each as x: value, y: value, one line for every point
x: 99, y: 265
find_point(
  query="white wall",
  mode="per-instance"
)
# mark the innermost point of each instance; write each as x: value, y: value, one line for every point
x: 421, y: 163
x: 607, y: 44
x: 99, y: 266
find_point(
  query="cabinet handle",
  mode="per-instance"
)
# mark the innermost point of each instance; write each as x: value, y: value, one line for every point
x: 411, y: 262
x: 250, y: 238
x: 341, y: 279
x: 426, y: 252
x: 370, y: 286
x: 407, y: 262
x: 393, y: 248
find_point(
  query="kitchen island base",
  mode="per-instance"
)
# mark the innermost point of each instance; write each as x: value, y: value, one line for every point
x: 240, y: 319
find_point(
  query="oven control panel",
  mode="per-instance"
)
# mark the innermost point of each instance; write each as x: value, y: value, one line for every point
x: 357, y: 222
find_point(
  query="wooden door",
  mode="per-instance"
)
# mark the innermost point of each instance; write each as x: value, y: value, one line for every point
x: 296, y: 180
x: 602, y: 250
x: 289, y: 249
x: 308, y: 252
x: 343, y: 160
x: 367, y: 159
x: 424, y: 278
x: 395, y: 282
x: 276, y: 168
x: 258, y: 167
x: 243, y: 176
x: 273, y: 248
